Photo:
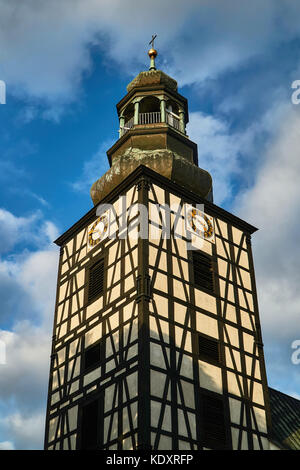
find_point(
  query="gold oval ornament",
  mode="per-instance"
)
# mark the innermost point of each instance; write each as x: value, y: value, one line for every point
x: 98, y: 230
x: 200, y: 223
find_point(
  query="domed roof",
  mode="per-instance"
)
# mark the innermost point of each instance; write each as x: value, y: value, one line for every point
x: 169, y: 164
x: 152, y: 77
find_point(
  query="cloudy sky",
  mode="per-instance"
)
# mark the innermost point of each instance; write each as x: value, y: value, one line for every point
x: 66, y: 63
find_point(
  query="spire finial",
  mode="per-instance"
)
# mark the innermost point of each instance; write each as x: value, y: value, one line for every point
x: 152, y: 53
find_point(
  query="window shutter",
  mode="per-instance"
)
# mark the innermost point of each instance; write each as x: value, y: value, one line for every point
x: 203, y: 271
x: 96, y: 280
x: 209, y: 348
x: 213, y: 422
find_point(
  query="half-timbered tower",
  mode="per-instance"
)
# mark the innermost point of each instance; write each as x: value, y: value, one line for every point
x: 157, y: 341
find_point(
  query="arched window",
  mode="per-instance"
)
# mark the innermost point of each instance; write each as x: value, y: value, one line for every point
x: 128, y: 116
x: 149, y: 110
x: 172, y: 114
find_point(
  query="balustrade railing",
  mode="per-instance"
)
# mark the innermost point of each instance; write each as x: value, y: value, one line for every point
x: 128, y: 125
x: 152, y: 118
x: 172, y: 120
x: 149, y: 118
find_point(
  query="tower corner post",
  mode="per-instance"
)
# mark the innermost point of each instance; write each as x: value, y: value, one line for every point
x: 143, y: 299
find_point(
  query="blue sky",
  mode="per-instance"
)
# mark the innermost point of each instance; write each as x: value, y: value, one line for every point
x: 66, y: 64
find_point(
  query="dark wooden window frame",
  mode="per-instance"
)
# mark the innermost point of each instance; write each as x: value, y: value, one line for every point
x: 88, y: 368
x: 202, y: 355
x: 209, y: 259
x: 93, y: 262
x: 215, y: 421
x: 99, y: 402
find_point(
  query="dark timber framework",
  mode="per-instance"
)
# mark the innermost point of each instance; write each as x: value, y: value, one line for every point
x: 123, y: 354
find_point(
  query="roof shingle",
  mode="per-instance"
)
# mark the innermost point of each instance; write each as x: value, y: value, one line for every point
x: 285, y: 414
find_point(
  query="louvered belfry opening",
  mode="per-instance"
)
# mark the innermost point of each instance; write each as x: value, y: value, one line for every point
x: 96, y: 280
x: 203, y: 271
x: 92, y: 356
x: 209, y: 348
x: 214, y: 434
x: 90, y: 426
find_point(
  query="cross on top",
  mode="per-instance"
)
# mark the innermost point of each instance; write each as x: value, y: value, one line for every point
x: 152, y: 40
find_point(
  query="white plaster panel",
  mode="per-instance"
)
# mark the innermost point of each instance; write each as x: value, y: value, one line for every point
x: 94, y: 307
x: 93, y: 335
x: 226, y: 290
x: 64, y: 290
x: 181, y: 341
x: 243, y: 257
x: 157, y: 194
x: 157, y: 384
x: 258, y: 396
x: 236, y: 235
x: 180, y: 268
x: 233, y: 359
x: 230, y: 310
x: 223, y: 268
x: 221, y: 228
x: 248, y: 342
x: 179, y: 246
x: 235, y: 410
x: 186, y: 369
x: 93, y: 375
x: 156, y: 355
x: 205, y: 301
x: 164, y: 327
x: 179, y: 313
x: 180, y: 290
x: 207, y: 325
x: 222, y: 248
x: 72, y: 415
x: 165, y: 443
x: 161, y: 282
x: 210, y: 377
x: 132, y: 382
x: 233, y: 336
x: 188, y: 394
x: 260, y: 416
x: 233, y: 381
x: 52, y: 429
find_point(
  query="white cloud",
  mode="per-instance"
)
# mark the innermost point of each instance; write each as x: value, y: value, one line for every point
x: 272, y: 205
x: 46, y: 45
x: 37, y: 273
x: 6, y: 445
x: 35, y: 196
x: 218, y: 151
x: 14, y: 229
x: 28, y: 284
x: 45, y: 55
x: 26, y: 431
x: 231, y: 155
x: 24, y: 376
x: 268, y: 197
x: 31, y: 229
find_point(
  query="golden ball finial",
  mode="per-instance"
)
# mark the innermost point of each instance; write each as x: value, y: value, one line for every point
x: 152, y: 52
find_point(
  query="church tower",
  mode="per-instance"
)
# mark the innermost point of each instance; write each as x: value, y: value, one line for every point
x: 157, y: 341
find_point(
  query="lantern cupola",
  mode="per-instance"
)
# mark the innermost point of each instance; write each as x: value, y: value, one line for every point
x: 152, y: 132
